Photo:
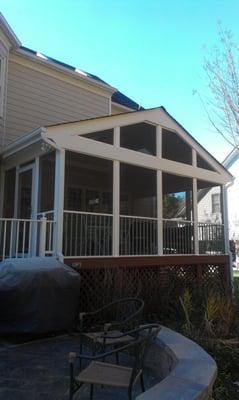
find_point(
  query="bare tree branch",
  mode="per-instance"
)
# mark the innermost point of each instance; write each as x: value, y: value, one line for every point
x: 221, y: 68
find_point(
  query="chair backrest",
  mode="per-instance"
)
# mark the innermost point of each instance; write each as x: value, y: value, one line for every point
x: 126, y: 313
x: 129, y: 312
x: 146, y: 333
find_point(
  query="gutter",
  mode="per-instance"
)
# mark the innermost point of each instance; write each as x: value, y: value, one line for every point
x: 28, y: 139
x: 24, y: 141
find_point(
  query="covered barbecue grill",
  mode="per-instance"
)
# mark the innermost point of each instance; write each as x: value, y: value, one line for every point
x: 37, y: 295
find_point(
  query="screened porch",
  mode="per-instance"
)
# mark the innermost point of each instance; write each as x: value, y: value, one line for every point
x: 119, y: 186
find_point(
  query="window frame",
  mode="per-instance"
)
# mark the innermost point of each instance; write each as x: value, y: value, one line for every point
x: 216, y: 205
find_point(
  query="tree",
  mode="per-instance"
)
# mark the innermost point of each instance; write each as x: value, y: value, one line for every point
x: 222, y: 72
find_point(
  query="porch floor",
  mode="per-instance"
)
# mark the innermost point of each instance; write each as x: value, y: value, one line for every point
x: 39, y: 370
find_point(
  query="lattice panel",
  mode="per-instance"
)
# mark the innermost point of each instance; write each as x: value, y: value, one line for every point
x: 213, y: 277
x: 157, y: 285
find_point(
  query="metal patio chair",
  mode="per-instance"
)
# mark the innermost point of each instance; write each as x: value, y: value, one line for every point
x: 104, y: 327
x: 108, y: 374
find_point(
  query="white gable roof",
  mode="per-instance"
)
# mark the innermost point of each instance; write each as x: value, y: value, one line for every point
x: 158, y: 116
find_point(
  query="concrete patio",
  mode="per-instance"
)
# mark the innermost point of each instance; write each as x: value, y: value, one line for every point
x: 39, y: 370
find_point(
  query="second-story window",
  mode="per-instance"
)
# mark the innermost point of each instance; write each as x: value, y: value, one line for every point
x: 215, y: 203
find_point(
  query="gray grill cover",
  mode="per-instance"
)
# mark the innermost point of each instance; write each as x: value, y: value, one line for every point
x: 37, y: 295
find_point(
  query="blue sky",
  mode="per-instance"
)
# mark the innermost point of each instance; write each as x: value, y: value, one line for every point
x: 151, y: 50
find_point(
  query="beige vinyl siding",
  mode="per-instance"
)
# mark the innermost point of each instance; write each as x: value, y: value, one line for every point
x: 117, y: 109
x: 36, y: 99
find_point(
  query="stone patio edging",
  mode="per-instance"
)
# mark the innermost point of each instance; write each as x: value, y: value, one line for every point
x: 187, y: 372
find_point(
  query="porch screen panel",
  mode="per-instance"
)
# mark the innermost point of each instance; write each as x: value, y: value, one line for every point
x: 46, y: 182
x: 177, y: 215
x: 106, y: 136
x: 88, y: 205
x: 9, y: 193
x: 138, y: 211
x: 139, y: 137
x: 6, y: 227
x: 210, y: 219
x: 175, y: 148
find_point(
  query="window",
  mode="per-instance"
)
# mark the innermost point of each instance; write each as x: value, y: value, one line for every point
x: 215, y: 203
x: 2, y: 83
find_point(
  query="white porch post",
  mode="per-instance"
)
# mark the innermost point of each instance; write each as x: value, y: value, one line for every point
x: 116, y: 198
x: 160, y: 212
x: 195, y: 205
x: 195, y: 216
x: 225, y: 218
x: 59, y: 200
x: 159, y: 192
x: 226, y: 227
x: 116, y: 207
x: 35, y: 195
x: 42, y: 237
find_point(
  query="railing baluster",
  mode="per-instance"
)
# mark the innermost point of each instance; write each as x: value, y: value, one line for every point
x: 4, y: 240
x: 30, y: 236
x: 23, y: 239
x: 50, y: 237
x: 11, y: 240
x: 17, y: 239
x: 76, y: 235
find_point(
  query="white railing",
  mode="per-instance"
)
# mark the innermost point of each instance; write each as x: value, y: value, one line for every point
x: 210, y: 238
x: 49, y: 215
x: 87, y: 234
x: 178, y: 237
x: 21, y: 238
x: 138, y: 235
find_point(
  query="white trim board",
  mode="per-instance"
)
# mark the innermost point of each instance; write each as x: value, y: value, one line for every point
x: 62, y: 133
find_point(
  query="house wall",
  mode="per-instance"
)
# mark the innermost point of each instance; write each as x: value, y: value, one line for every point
x: 205, y: 205
x: 205, y: 213
x: 36, y: 98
